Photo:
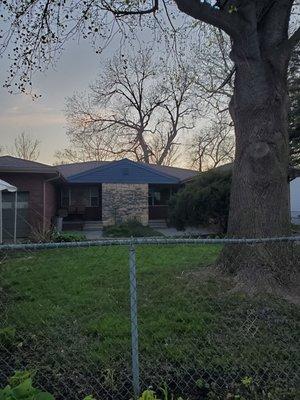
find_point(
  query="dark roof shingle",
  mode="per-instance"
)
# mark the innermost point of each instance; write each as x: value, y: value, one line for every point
x: 68, y: 170
x: 9, y: 163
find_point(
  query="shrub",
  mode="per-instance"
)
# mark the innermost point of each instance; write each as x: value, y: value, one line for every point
x: 130, y: 228
x: 67, y: 237
x: 52, y: 235
x: 20, y: 388
x: 204, y: 201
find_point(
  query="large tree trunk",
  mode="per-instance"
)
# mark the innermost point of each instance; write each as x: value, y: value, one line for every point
x: 259, y: 205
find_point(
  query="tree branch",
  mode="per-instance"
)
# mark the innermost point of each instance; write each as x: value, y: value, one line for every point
x: 121, y: 13
x: 230, y: 23
x: 290, y: 43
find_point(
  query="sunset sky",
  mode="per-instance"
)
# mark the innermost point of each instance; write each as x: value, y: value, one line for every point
x: 44, y: 118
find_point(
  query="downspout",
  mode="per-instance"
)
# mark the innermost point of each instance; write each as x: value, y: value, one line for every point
x: 44, y: 197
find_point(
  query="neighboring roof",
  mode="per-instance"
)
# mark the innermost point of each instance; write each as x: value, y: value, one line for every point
x: 14, y: 164
x: 181, y: 174
x: 7, y: 186
x: 124, y: 171
x: 76, y: 168
x: 222, y: 168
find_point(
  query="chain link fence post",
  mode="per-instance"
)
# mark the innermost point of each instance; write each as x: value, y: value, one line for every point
x: 134, y: 322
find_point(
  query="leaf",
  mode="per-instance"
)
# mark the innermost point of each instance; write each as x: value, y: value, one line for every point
x: 23, y: 390
x: 43, y: 396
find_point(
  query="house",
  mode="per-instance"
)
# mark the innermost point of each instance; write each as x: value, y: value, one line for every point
x: 37, y: 195
x: 106, y: 192
x: 295, y: 200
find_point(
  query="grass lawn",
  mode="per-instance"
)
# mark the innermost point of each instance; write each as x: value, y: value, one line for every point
x: 66, y: 314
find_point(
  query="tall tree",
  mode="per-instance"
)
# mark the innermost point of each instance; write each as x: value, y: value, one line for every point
x: 294, y: 114
x: 212, y: 146
x: 26, y: 147
x: 260, y: 50
x: 136, y: 108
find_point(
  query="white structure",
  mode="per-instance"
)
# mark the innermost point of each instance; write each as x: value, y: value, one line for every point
x: 6, y: 186
x: 295, y: 200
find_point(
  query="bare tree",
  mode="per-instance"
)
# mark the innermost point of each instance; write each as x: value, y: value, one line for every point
x: 261, y: 43
x: 180, y: 110
x: 214, y: 69
x: 212, y: 146
x: 26, y: 147
x: 137, y: 108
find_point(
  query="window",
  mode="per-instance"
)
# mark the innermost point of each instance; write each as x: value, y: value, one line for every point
x: 159, y: 196
x: 79, y: 196
x: 8, y: 200
x: 94, y: 196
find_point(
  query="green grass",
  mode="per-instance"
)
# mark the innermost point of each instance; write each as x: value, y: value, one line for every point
x: 66, y: 313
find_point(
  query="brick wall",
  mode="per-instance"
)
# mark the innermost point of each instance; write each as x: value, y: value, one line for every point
x: 34, y: 184
x: 122, y: 202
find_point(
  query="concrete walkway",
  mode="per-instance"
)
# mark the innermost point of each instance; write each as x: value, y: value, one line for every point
x: 189, y: 231
x: 93, y: 235
x: 169, y: 232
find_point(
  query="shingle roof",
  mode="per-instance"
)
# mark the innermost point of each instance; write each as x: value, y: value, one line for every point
x: 76, y: 168
x: 68, y: 170
x: 9, y: 163
x: 180, y: 173
x: 123, y: 171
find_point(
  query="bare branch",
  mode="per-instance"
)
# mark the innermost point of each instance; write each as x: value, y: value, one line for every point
x: 203, y: 11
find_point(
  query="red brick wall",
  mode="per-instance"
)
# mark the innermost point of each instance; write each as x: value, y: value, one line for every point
x: 34, y: 184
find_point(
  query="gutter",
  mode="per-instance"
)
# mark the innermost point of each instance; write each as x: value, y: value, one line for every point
x: 27, y: 171
x: 59, y: 175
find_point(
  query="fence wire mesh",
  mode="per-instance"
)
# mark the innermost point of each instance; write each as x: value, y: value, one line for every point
x: 111, y: 318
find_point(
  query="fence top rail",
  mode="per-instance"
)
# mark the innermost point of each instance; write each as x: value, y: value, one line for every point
x: 145, y: 241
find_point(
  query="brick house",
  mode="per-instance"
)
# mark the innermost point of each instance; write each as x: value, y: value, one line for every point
x: 103, y: 192
x: 37, y: 195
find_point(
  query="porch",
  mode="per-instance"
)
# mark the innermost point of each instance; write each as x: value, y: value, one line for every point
x: 81, y: 205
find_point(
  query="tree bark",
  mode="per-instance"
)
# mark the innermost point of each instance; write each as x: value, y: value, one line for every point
x: 259, y: 205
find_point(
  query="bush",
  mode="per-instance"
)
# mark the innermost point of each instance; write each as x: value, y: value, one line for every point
x: 20, y: 388
x: 131, y: 228
x: 52, y: 235
x: 67, y: 237
x: 202, y: 202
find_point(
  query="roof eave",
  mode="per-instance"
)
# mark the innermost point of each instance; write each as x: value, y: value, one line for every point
x: 28, y: 171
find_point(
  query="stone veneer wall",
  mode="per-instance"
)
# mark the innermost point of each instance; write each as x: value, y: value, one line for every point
x: 122, y: 202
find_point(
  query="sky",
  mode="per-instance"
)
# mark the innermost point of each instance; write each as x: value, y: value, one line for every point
x: 44, y: 118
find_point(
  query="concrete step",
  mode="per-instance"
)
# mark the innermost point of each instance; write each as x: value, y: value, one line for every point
x: 92, y: 225
x: 157, y: 223
x: 72, y: 226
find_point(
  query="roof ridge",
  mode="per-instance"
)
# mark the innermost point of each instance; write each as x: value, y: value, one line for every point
x: 171, y: 166
x: 148, y: 166
x: 83, y: 162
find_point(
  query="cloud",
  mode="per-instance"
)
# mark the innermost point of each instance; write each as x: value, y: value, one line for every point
x: 15, y: 116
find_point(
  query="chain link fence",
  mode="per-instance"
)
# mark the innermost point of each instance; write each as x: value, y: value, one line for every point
x: 112, y: 318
